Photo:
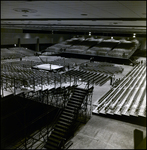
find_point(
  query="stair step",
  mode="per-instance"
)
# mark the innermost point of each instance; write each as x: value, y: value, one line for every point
x: 62, y: 126
x: 64, y: 123
x: 80, y: 90
x: 54, y: 139
x: 77, y: 93
x: 70, y: 108
x: 67, y: 116
x: 60, y: 129
x: 65, y: 119
x: 50, y: 147
x: 58, y: 133
x: 73, y: 105
x: 76, y: 99
x: 67, y: 113
x: 56, y: 136
x: 76, y: 102
x: 52, y: 143
x: 77, y: 96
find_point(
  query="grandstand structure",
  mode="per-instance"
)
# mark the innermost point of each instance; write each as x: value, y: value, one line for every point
x: 111, y: 50
x: 128, y: 97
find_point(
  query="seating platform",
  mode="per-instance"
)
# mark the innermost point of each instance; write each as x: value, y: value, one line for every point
x: 127, y: 99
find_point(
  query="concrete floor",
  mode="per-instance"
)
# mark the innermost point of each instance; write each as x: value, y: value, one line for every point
x: 106, y: 133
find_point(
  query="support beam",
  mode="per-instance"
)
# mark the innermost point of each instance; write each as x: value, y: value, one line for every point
x: 19, y: 42
x: 37, y: 45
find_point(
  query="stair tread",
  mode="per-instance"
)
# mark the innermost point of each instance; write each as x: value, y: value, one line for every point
x: 77, y: 93
x: 77, y: 96
x: 50, y: 147
x: 60, y: 129
x: 58, y: 133
x: 71, y: 104
x: 56, y: 136
x: 53, y: 143
x: 54, y: 139
x: 67, y: 113
x: 68, y: 124
x: 70, y: 107
x: 62, y: 126
x: 76, y: 102
x: 67, y: 116
x: 65, y: 119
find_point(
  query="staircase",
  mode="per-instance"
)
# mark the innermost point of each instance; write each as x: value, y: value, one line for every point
x: 63, y: 130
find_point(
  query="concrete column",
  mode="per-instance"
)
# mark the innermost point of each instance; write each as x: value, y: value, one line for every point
x: 138, y: 137
x: 37, y: 45
x: 19, y: 42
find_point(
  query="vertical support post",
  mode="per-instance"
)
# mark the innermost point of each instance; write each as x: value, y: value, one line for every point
x: 41, y: 84
x: 19, y: 42
x: 55, y: 81
x: 60, y: 81
x: 2, y: 87
x: 33, y: 83
x: 6, y: 83
x: 37, y: 45
x: 14, y: 86
x: 48, y: 79
x: 138, y: 137
x: 70, y: 80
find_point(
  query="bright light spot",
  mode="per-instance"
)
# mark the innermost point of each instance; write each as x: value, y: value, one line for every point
x: 111, y: 37
x: 89, y: 33
x: 14, y: 44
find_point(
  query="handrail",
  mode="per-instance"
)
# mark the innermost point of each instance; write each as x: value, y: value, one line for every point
x: 53, y: 124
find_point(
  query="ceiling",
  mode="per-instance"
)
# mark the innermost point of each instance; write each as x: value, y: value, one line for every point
x: 94, y: 16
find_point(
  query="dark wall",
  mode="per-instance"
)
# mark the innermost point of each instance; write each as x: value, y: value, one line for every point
x: 28, y: 38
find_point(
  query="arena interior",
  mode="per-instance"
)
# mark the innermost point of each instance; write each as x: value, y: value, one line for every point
x: 73, y: 82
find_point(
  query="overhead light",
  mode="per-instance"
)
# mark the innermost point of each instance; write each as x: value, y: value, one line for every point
x: 134, y: 36
x: 111, y: 37
x: 134, y: 33
x: 89, y: 33
x: 14, y: 44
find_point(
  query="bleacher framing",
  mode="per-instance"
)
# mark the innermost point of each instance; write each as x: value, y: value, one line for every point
x: 127, y: 98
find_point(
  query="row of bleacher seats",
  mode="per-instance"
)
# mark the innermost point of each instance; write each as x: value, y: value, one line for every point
x: 26, y: 77
x: 102, y: 67
x: 128, y: 98
x: 105, y: 47
x: 15, y: 52
x: 91, y: 77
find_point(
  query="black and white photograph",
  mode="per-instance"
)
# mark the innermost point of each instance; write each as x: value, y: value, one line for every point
x: 73, y: 74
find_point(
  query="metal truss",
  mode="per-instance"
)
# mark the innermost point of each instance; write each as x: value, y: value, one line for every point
x: 85, y: 112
